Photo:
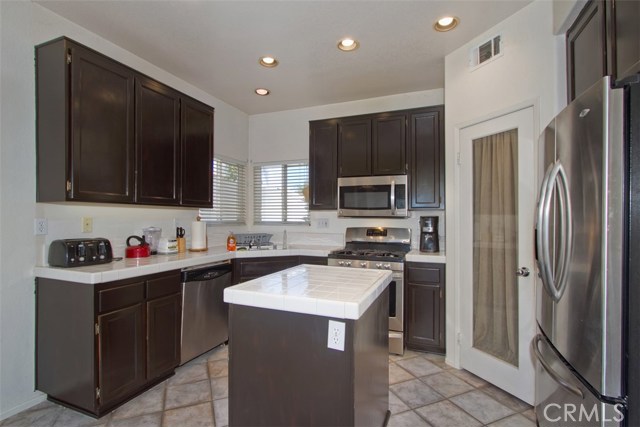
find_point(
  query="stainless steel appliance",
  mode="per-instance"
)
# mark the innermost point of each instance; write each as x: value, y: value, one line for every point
x: 587, y: 346
x: 79, y: 252
x: 373, y: 196
x: 384, y: 249
x: 205, y: 323
x: 429, y: 241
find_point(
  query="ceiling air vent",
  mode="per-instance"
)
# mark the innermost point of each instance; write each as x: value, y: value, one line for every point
x: 486, y: 52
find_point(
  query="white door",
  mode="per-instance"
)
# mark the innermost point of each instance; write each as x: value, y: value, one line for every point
x: 497, y: 171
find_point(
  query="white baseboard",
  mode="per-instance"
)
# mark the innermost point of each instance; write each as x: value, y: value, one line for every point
x: 40, y: 397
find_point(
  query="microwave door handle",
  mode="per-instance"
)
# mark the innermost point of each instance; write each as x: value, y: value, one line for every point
x: 393, y: 197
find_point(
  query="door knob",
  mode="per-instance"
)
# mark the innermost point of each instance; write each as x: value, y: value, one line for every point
x: 523, y: 272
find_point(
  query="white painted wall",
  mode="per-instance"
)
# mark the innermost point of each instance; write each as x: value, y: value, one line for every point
x: 531, y: 72
x: 284, y: 135
x: 23, y: 25
x: 564, y: 13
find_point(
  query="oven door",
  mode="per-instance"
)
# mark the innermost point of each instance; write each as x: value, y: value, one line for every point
x: 373, y: 196
x: 396, y: 313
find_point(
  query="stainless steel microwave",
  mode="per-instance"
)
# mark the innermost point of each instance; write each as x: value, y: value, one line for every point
x: 373, y: 196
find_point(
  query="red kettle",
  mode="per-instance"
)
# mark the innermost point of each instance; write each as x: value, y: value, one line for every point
x: 139, y: 251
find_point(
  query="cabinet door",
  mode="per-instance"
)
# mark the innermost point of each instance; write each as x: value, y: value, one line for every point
x: 354, y: 147
x: 426, y: 151
x: 197, y: 154
x: 250, y: 268
x: 389, y: 144
x: 323, y: 162
x: 623, y: 34
x: 586, y: 56
x: 157, y: 143
x: 425, y: 307
x: 121, y: 353
x: 102, y: 126
x: 163, y: 335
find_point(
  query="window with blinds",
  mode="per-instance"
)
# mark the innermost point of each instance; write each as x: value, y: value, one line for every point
x: 229, y: 193
x: 279, y: 193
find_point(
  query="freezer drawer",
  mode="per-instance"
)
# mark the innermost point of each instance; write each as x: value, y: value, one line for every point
x: 562, y: 399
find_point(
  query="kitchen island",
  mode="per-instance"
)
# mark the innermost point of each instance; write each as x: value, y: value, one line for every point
x: 309, y: 346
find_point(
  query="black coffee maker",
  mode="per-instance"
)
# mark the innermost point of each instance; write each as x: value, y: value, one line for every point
x: 429, y: 234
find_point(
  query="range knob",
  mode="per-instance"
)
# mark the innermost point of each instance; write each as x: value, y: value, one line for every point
x: 387, y: 266
x: 341, y: 263
x: 363, y: 264
x: 347, y: 263
x: 379, y: 265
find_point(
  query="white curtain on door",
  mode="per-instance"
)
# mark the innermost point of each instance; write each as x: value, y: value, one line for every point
x: 495, y: 292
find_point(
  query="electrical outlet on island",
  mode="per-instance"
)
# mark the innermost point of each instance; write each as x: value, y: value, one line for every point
x: 336, y: 335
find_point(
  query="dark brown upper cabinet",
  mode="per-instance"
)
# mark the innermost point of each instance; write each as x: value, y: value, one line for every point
x: 586, y: 49
x: 354, y: 147
x: 604, y: 40
x: 389, y: 149
x: 106, y: 133
x: 157, y: 143
x: 323, y: 164
x: 85, y: 126
x: 623, y: 37
x: 426, y: 157
x: 197, y: 153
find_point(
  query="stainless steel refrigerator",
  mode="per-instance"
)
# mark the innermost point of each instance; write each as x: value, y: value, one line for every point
x: 587, y: 301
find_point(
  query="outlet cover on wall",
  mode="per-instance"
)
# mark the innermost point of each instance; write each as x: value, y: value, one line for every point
x: 40, y: 226
x: 336, y: 335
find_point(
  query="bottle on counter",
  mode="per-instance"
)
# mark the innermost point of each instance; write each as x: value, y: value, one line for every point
x: 231, y: 242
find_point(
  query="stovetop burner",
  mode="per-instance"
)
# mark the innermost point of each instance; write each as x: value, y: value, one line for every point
x: 377, y: 244
x: 373, y: 253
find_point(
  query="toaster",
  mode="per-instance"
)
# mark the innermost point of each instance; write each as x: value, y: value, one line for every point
x: 79, y: 252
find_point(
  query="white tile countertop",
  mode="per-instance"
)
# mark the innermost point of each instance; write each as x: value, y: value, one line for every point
x: 339, y: 292
x: 416, y: 256
x: 134, y: 267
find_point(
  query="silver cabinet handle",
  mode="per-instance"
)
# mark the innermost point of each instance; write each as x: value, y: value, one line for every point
x: 522, y: 272
x: 556, y: 377
x: 393, y: 197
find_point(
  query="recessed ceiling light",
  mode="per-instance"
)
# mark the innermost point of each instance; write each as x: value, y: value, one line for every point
x: 446, y: 23
x: 348, y: 44
x: 262, y: 91
x: 268, y: 61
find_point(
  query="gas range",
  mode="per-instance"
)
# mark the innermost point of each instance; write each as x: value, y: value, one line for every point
x: 374, y: 247
x: 383, y: 249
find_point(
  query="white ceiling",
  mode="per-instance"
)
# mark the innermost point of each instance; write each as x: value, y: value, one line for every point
x: 215, y: 45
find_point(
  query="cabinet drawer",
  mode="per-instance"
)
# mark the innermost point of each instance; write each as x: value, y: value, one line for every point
x: 424, y: 274
x: 165, y: 285
x: 121, y: 296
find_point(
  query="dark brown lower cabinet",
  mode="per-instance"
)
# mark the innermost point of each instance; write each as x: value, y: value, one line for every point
x: 250, y: 268
x: 99, y: 345
x: 425, y: 307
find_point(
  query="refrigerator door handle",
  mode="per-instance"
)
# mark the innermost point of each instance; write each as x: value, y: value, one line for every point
x: 553, y: 374
x: 555, y: 281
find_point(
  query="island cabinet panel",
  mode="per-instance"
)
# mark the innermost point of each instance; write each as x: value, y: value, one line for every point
x: 107, y: 133
x: 354, y: 147
x: 282, y: 373
x: 426, y: 154
x: 197, y: 153
x: 157, y: 143
x: 323, y: 164
x: 99, y: 345
x: 389, y: 152
x: 425, y: 307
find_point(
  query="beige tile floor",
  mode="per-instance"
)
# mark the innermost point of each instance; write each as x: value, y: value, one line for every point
x: 423, y: 391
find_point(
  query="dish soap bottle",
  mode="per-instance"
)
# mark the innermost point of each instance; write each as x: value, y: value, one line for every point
x: 231, y: 242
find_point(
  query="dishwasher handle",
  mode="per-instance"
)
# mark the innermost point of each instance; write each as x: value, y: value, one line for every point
x: 205, y: 272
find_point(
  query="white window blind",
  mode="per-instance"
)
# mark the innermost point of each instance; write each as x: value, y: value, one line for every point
x: 229, y: 193
x: 278, y: 193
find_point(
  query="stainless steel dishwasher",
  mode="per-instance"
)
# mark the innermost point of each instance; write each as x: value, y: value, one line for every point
x: 205, y: 319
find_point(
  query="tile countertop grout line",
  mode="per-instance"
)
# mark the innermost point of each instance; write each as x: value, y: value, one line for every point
x: 117, y: 270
